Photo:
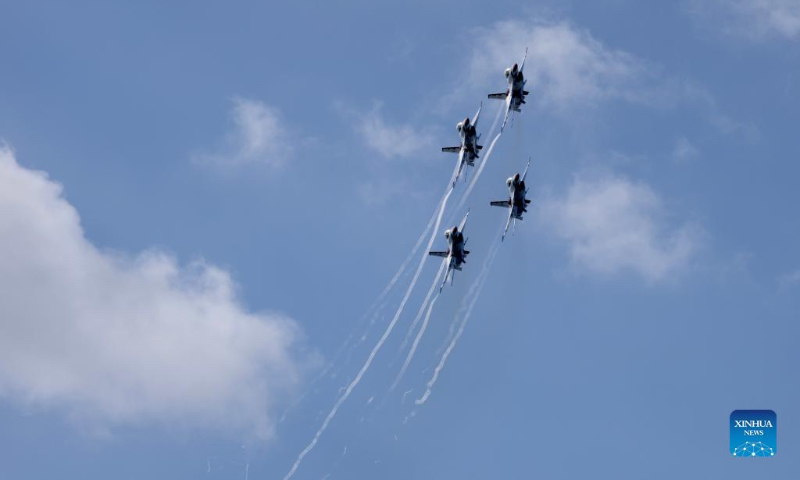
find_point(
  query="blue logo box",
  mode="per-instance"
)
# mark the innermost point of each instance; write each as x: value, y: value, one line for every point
x: 754, y: 433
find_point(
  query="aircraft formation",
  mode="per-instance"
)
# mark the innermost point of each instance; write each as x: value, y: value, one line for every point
x: 456, y: 256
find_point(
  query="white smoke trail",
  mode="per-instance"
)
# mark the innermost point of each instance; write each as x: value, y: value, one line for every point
x: 374, y: 309
x: 465, y: 301
x: 458, y: 207
x: 474, y: 292
x: 422, y: 308
x: 495, y: 122
x: 416, y: 342
x: 422, y: 329
x: 485, y: 157
x: 377, y: 347
x: 460, y: 204
x: 378, y: 304
x: 405, y: 263
x: 478, y: 173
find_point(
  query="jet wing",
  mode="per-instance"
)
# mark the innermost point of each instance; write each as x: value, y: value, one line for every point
x: 460, y: 167
x: 477, y: 114
x: 447, y: 273
x: 526, y: 169
x: 505, y: 119
x: 438, y: 254
x: 463, y: 223
x: 508, y: 222
x: 500, y: 203
x: 451, y: 149
x: 499, y: 96
x: 522, y: 65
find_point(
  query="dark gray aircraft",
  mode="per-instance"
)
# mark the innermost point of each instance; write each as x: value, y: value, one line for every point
x: 516, y: 203
x: 515, y: 95
x: 455, y: 255
x: 469, y: 148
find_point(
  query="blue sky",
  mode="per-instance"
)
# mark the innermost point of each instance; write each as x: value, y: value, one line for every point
x: 199, y: 203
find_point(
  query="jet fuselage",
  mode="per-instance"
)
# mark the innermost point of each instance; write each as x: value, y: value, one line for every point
x: 516, y: 85
x: 516, y: 193
x: 469, y: 140
x: 455, y: 241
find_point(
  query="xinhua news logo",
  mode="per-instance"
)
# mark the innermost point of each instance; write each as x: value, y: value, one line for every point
x: 754, y: 433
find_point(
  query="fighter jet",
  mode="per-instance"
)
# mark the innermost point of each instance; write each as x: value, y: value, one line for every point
x: 455, y: 255
x: 515, y: 95
x: 469, y: 148
x: 516, y: 203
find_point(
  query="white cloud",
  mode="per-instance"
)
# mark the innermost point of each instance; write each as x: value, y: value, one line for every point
x: 754, y: 19
x: 117, y: 340
x: 613, y: 225
x: 684, y: 150
x: 388, y: 139
x: 789, y: 279
x: 258, y: 138
x: 565, y: 66
x: 568, y: 69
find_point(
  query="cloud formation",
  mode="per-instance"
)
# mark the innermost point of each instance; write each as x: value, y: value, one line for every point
x: 612, y: 225
x: 568, y: 68
x: 390, y: 140
x: 754, y: 19
x: 789, y: 279
x: 565, y: 66
x: 258, y: 138
x: 118, y: 340
x: 684, y: 150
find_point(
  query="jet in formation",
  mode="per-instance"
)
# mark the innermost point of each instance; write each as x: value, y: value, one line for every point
x: 516, y: 203
x: 469, y: 148
x: 455, y: 255
x: 515, y: 95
